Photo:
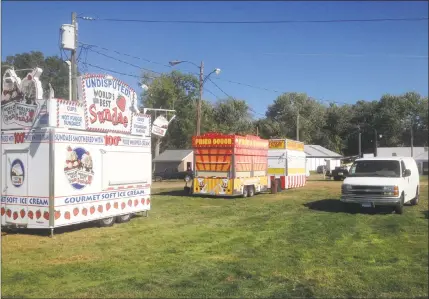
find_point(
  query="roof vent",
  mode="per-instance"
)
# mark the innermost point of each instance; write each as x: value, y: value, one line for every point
x: 394, y: 154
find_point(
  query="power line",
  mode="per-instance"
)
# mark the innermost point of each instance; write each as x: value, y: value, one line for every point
x: 346, y: 55
x: 110, y: 71
x: 257, y: 22
x: 125, y: 54
x: 122, y: 61
x: 229, y: 81
x: 229, y: 96
x: 130, y: 75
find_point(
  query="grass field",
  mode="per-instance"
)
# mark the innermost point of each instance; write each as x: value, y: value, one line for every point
x: 297, y: 243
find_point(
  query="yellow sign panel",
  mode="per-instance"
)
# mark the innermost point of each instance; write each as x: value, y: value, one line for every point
x: 296, y: 171
x: 280, y: 171
x: 276, y: 144
x: 295, y: 145
x: 213, y: 186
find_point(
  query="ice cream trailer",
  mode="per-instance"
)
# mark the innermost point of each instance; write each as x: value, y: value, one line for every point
x: 229, y: 165
x: 287, y: 163
x: 67, y: 162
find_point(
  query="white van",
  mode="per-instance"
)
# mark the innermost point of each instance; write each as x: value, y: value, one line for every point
x: 382, y: 182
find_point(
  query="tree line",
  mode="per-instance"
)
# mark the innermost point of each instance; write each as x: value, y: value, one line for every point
x: 291, y: 115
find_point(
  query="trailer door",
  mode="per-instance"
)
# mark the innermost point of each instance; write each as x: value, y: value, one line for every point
x: 16, y: 188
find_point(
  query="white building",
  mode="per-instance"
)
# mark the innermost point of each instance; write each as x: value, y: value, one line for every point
x: 420, y: 154
x: 316, y: 156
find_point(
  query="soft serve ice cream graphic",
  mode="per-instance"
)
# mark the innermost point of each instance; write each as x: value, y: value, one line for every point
x: 71, y: 159
x: 78, y: 167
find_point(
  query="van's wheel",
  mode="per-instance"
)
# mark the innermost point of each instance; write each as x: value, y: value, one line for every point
x: 123, y: 218
x: 251, y: 191
x: 399, y: 209
x: 245, y: 192
x: 415, y: 200
x: 107, y: 222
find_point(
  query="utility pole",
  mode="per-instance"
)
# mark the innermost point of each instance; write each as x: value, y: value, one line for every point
x: 412, y: 140
x: 297, y: 126
x: 375, y: 143
x: 73, y: 59
x: 360, y: 142
x: 200, y: 99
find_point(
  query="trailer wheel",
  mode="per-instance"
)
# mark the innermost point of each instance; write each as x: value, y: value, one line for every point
x: 245, y: 192
x: 107, y: 222
x: 123, y: 218
x: 251, y: 191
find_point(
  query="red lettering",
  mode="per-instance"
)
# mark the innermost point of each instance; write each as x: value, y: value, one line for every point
x: 106, y: 115
x: 110, y: 140
x: 19, y: 137
x: 93, y: 114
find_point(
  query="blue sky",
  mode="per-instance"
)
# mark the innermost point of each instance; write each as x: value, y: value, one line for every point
x: 273, y: 56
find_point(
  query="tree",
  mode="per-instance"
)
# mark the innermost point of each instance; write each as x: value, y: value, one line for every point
x: 288, y: 107
x: 338, y: 127
x: 231, y: 116
x: 176, y: 91
x: 55, y: 71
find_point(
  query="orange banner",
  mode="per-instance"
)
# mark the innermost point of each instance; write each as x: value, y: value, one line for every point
x: 295, y: 145
x: 251, y: 143
x: 276, y: 144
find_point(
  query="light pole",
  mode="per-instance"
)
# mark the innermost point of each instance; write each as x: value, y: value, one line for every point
x: 202, y: 81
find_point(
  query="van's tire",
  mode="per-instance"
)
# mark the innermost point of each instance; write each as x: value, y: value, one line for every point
x: 415, y: 200
x: 245, y: 192
x: 399, y: 209
x: 123, y: 218
x: 106, y: 222
x: 251, y: 191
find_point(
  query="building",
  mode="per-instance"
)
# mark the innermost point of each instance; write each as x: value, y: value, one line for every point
x: 177, y: 159
x: 316, y: 156
x: 420, y: 154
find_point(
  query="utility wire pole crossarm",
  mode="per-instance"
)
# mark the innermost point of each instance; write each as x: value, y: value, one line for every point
x: 201, y: 87
x: 73, y: 59
x: 297, y: 126
x: 200, y: 99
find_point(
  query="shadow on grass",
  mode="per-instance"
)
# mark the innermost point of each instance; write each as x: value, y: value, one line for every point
x: 175, y: 192
x: 426, y: 214
x: 185, y: 193
x: 59, y: 230
x: 336, y: 206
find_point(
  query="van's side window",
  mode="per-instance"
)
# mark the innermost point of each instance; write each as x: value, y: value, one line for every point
x: 403, y: 168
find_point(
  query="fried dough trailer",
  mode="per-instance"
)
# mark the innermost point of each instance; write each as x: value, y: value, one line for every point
x: 287, y: 163
x: 229, y: 165
x: 67, y: 162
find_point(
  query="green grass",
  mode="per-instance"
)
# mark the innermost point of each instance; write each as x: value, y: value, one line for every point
x: 297, y: 243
